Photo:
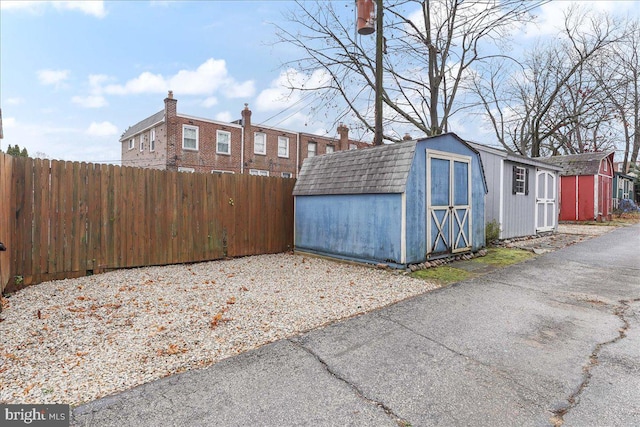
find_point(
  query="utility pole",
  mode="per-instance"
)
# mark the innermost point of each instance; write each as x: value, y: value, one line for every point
x: 366, y: 26
x: 377, y: 140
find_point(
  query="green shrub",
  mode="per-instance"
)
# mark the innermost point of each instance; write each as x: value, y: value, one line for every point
x: 491, y: 231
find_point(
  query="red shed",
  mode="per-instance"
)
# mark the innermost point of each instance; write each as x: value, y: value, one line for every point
x: 586, y: 186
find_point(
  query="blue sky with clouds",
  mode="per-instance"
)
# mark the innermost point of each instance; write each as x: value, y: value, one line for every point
x: 74, y: 75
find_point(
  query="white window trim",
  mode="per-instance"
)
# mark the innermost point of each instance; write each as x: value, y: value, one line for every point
x: 197, y: 137
x: 223, y: 132
x: 353, y: 147
x: 330, y: 147
x: 258, y: 172
x: 152, y: 140
x: 255, y: 150
x: 221, y: 171
x: 286, y: 139
x: 523, y: 180
x: 132, y: 144
x: 141, y: 143
x: 189, y: 170
x: 315, y: 151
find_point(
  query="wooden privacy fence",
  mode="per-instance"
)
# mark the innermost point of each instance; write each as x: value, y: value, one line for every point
x: 67, y: 219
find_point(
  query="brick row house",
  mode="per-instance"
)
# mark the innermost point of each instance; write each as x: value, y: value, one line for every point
x: 172, y: 141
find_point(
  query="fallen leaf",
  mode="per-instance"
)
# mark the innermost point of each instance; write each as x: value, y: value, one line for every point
x: 231, y: 300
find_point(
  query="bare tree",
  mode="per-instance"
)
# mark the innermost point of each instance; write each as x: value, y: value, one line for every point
x: 430, y: 47
x: 550, y: 105
x: 618, y: 77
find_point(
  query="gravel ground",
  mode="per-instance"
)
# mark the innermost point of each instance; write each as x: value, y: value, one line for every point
x: 587, y: 230
x: 73, y: 341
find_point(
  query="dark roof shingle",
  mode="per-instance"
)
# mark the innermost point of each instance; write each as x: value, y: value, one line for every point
x: 142, y: 125
x: 578, y: 164
x: 372, y: 170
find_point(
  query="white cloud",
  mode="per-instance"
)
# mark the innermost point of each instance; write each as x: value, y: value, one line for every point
x: 31, y: 6
x: 15, y: 101
x: 8, y: 122
x: 102, y: 129
x: 224, y: 116
x: 145, y: 83
x: 52, y: 77
x: 92, y: 7
x: 91, y: 101
x: 210, y: 102
x: 209, y: 78
x: 551, y: 16
x: 279, y: 97
x: 96, y: 81
x: 243, y: 90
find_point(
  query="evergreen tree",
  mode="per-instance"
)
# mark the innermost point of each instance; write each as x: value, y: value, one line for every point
x: 16, y: 152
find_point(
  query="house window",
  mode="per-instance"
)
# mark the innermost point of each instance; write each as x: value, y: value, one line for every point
x: 131, y: 144
x: 286, y: 174
x: 141, y: 143
x: 260, y: 143
x: 189, y: 137
x: 258, y: 172
x: 283, y: 146
x: 353, y: 147
x: 223, y: 142
x: 606, y: 165
x: 312, y: 148
x: 520, y: 183
x: 330, y: 149
x: 152, y: 140
x: 221, y: 171
x: 191, y: 170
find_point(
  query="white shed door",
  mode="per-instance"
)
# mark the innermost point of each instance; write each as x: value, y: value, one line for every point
x: 546, y: 190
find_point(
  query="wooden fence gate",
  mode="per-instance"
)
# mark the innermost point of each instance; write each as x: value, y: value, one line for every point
x: 67, y: 219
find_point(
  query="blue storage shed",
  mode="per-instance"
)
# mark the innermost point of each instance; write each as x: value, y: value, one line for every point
x: 397, y: 204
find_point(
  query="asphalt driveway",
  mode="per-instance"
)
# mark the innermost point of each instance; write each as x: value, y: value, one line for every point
x: 554, y: 340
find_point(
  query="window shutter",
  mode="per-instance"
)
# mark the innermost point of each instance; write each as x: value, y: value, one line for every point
x: 513, y: 180
x: 526, y: 182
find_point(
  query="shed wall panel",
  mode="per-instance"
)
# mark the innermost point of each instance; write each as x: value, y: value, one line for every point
x: 492, y: 166
x: 362, y: 226
x: 519, y: 209
x: 586, y: 198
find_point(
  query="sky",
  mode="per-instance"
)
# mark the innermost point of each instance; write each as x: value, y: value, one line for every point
x: 74, y: 75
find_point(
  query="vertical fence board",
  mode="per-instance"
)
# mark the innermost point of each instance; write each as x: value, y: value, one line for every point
x: 65, y: 219
x: 6, y: 218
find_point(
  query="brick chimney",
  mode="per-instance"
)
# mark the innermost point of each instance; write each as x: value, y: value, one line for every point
x: 343, y: 131
x: 246, y: 117
x: 173, y: 134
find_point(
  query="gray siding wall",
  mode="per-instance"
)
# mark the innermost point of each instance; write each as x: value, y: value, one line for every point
x: 492, y: 165
x: 518, y: 218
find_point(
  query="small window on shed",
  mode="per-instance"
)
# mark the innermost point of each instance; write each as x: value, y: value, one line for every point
x: 520, y: 184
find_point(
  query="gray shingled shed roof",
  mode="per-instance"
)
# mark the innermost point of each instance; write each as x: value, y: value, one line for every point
x: 578, y: 164
x: 372, y: 170
x: 142, y: 125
